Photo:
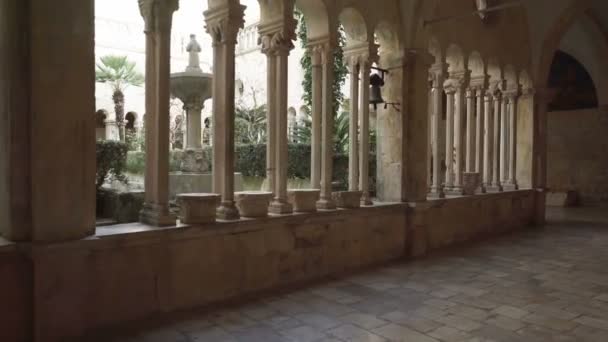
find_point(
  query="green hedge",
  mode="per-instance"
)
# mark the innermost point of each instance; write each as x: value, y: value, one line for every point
x: 251, y: 162
x: 111, y: 159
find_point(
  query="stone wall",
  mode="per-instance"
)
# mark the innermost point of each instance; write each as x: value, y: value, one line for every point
x: 577, y: 153
x: 133, y: 271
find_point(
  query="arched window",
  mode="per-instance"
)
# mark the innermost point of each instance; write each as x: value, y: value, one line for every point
x: 572, y: 83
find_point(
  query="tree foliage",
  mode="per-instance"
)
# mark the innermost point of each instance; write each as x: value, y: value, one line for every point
x: 250, y: 121
x: 303, y: 131
x: 118, y: 72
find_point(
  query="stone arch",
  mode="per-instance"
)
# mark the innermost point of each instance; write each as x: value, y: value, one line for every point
x: 573, y: 85
x: 355, y: 26
x: 455, y: 58
x: 386, y: 34
x: 319, y: 23
x: 552, y: 40
x: 476, y: 64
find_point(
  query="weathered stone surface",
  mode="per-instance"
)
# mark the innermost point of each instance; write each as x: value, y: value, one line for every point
x: 470, y: 181
x: 197, y: 207
x: 253, y: 203
x: 303, y: 200
x: 561, y: 198
x: 347, y: 199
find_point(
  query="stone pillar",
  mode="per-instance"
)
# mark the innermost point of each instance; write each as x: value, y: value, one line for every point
x: 479, y: 125
x: 438, y: 72
x: 416, y: 111
x: 449, y: 136
x: 193, y: 124
x: 223, y: 24
x: 158, y: 15
x: 504, y: 142
x: 364, y: 148
x: 282, y: 42
x: 488, y: 141
x: 353, y: 153
x: 316, y: 52
x: 47, y: 140
x: 112, y: 131
x: 271, y: 63
x: 496, y: 184
x: 326, y: 201
x: 512, y: 181
x: 459, y: 108
x: 470, y: 131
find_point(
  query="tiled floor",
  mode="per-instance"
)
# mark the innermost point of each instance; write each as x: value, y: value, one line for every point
x: 546, y: 284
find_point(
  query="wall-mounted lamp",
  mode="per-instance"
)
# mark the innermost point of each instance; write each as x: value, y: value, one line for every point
x: 376, y: 82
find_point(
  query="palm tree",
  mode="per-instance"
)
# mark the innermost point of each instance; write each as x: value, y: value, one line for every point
x: 250, y: 121
x: 119, y: 73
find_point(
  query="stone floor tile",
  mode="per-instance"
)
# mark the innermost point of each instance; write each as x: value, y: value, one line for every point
x: 593, y: 322
x: 319, y: 321
x: 212, y: 334
x: 505, y: 322
x: 459, y: 322
x: 511, y: 311
x: 281, y: 322
x: 549, y: 322
x: 469, y: 312
x: 412, y: 321
x: 351, y: 333
x: 362, y: 320
x: 396, y: 332
x: 303, y: 334
x: 449, y: 334
x: 259, y: 333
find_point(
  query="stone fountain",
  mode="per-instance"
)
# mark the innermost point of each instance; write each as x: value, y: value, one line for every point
x: 193, y: 87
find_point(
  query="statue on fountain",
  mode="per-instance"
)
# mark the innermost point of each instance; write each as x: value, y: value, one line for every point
x: 193, y: 48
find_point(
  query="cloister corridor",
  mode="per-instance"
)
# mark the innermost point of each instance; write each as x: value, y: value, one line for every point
x: 541, y: 284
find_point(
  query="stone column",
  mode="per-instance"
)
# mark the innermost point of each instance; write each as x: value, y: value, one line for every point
x: 479, y: 125
x: 415, y: 108
x: 270, y: 110
x: 449, y: 136
x: 470, y: 131
x: 194, y: 137
x: 438, y: 72
x: 364, y: 149
x: 512, y: 181
x: 283, y: 42
x: 504, y: 141
x: 158, y: 15
x: 353, y: 153
x: 316, y: 52
x: 488, y: 141
x: 223, y: 24
x: 326, y: 201
x: 496, y: 184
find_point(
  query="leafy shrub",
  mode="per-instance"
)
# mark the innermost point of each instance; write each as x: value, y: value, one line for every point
x: 111, y: 162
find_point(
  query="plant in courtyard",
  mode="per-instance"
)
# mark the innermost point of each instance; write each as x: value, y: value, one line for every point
x: 119, y: 73
x: 250, y: 121
x: 111, y: 162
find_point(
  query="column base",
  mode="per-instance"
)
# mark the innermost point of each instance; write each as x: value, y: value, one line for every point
x: 227, y: 211
x: 436, y: 192
x: 347, y: 199
x: 494, y: 188
x: 456, y: 190
x: 326, y: 204
x: 366, y: 200
x: 157, y: 215
x: 280, y: 207
x: 510, y: 186
x: 481, y: 189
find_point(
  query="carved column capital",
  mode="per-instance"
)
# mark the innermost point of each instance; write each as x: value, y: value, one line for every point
x: 157, y: 14
x: 320, y: 51
x: 362, y: 53
x: 452, y: 85
x: 224, y: 23
x: 277, y: 36
x: 460, y: 78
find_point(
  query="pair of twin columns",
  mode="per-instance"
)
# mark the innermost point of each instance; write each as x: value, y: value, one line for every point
x: 490, y: 132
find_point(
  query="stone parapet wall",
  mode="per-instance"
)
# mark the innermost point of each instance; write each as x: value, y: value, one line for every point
x: 129, y: 272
